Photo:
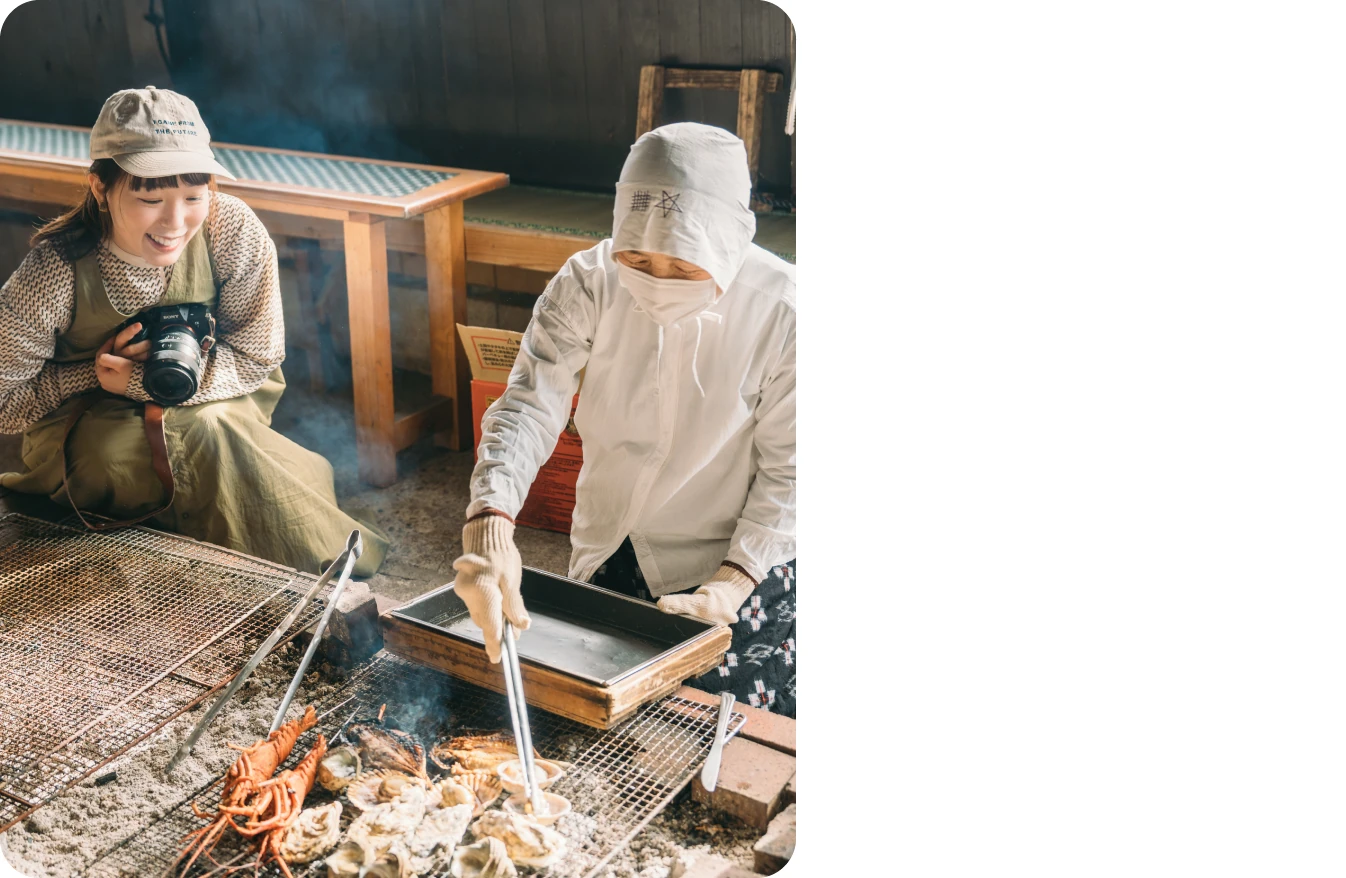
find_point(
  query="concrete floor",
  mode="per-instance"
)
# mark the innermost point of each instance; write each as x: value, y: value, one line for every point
x: 422, y: 513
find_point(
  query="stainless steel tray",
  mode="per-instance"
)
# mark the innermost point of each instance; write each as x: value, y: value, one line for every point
x: 578, y: 629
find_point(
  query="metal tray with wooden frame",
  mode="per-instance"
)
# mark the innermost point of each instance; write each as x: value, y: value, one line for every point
x: 591, y: 655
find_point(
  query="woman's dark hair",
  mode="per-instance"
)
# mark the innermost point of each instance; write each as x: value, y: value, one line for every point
x: 78, y: 230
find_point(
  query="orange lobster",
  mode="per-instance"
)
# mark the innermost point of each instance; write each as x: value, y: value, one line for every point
x: 243, y: 781
x: 277, y: 806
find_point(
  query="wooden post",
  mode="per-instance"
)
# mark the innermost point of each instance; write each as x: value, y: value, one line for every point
x: 371, y: 347
x: 751, y: 103
x: 446, y: 279
x: 651, y: 104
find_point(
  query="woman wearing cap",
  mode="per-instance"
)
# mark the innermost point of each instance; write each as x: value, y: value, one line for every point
x: 151, y: 231
x: 686, y: 333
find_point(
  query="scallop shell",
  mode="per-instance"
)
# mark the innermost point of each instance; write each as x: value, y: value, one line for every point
x: 451, y: 793
x: 313, y: 833
x: 487, y: 858
x: 485, y: 787
x: 527, y: 842
x: 338, y: 768
x: 376, y: 787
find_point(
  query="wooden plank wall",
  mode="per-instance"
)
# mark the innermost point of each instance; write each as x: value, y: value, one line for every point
x: 544, y: 90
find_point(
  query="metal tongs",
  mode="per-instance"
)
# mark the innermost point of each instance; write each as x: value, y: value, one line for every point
x: 355, y: 547
x: 518, y: 715
x: 346, y: 560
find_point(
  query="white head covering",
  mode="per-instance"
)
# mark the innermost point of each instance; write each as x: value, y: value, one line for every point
x: 684, y: 192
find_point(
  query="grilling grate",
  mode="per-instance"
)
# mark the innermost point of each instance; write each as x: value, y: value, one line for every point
x: 619, y: 779
x: 104, y: 638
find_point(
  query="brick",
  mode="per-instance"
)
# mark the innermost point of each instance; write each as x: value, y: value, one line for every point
x: 690, y: 864
x: 775, y: 849
x: 788, y: 797
x: 353, y: 633
x: 751, y: 783
x: 763, y: 726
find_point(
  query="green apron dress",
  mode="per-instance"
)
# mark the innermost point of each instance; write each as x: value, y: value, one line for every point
x: 238, y: 483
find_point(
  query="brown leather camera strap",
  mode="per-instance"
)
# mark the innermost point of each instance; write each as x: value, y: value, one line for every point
x: 154, y: 433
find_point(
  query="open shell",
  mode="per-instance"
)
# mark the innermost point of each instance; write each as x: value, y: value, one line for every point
x: 557, y: 807
x: 376, y: 787
x: 485, y: 787
x: 313, y: 833
x: 395, y: 862
x: 527, y: 842
x: 451, y: 792
x: 348, y: 860
x: 511, y: 774
x: 487, y: 858
x: 338, y: 768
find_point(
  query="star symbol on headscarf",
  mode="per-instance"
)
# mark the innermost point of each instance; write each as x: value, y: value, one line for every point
x: 669, y: 203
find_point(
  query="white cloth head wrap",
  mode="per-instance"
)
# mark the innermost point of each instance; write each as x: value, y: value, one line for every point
x: 684, y: 192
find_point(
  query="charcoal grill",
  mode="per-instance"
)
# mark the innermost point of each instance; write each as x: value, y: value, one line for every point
x: 105, y: 637
x: 619, y: 780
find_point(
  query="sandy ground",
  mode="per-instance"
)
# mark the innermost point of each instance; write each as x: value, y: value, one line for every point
x: 422, y: 515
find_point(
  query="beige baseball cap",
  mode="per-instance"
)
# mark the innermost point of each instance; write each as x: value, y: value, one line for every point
x: 153, y: 132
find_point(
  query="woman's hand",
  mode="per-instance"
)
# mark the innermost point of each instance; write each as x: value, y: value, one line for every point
x: 140, y: 351
x: 116, y: 359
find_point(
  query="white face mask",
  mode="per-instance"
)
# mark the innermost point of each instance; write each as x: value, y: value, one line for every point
x: 667, y: 301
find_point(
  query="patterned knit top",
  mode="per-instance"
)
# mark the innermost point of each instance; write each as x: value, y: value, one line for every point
x: 38, y: 301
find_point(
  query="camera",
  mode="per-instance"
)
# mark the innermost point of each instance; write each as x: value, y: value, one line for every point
x: 179, y: 336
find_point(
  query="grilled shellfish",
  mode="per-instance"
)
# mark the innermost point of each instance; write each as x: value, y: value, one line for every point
x: 475, y: 752
x: 338, y: 768
x: 381, y: 785
x: 313, y: 833
x: 527, y: 842
x: 487, y: 858
x: 388, y: 748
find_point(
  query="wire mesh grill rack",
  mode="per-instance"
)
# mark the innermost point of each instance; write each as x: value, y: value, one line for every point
x: 618, y: 781
x: 105, y: 637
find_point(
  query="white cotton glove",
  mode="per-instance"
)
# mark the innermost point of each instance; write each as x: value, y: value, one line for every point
x: 717, y: 601
x: 488, y: 579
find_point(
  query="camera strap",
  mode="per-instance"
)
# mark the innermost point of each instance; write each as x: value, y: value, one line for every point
x: 154, y: 433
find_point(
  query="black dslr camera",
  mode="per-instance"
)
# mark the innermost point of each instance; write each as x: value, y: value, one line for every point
x: 179, y: 337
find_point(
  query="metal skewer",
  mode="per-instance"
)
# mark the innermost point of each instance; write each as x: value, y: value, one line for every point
x: 354, y: 549
x: 518, y: 714
x: 256, y: 660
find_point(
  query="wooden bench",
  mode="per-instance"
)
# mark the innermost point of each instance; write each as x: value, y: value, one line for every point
x: 369, y: 207
x: 539, y: 229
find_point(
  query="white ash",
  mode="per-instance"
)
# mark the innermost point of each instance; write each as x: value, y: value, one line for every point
x: 62, y: 838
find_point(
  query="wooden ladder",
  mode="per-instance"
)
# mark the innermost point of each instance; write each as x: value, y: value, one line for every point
x: 752, y: 85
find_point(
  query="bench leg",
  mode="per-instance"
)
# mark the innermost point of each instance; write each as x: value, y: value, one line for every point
x: 371, y: 347
x: 446, y: 280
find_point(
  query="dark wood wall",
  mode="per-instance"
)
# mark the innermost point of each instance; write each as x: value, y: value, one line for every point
x: 544, y: 90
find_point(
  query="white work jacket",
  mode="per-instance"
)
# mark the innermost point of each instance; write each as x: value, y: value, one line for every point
x: 693, y: 481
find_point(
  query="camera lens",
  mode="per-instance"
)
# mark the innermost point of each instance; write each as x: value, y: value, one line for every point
x: 173, y: 369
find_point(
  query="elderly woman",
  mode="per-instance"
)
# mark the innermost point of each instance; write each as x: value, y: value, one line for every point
x: 686, y: 333
x: 192, y: 452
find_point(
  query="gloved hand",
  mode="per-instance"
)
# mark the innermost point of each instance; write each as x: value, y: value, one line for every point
x: 488, y: 578
x: 717, y: 601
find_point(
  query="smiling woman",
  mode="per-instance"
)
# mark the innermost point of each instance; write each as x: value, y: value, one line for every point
x: 151, y: 244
